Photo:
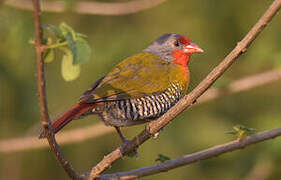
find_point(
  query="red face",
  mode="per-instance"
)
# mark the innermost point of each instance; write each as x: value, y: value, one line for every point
x: 187, y: 48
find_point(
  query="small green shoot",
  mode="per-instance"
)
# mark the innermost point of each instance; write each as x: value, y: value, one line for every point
x: 162, y: 158
x: 241, y: 131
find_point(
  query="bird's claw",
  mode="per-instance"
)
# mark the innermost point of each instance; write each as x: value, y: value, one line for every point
x: 134, y: 152
x: 126, y: 141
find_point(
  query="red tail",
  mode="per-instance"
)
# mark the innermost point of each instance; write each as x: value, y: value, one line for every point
x: 68, y: 116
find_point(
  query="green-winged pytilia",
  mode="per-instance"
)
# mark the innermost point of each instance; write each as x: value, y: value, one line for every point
x: 139, y: 89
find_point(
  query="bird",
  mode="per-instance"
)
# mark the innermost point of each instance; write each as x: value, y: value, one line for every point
x: 139, y: 89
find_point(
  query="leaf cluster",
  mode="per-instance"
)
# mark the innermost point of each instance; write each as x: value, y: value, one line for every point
x: 73, y: 45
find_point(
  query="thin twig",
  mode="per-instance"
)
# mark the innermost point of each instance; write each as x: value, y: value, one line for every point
x: 40, y: 65
x: 98, y: 8
x: 81, y: 134
x: 42, y: 93
x: 154, y: 126
x: 194, y: 157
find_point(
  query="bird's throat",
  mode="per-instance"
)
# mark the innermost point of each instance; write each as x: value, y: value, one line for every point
x: 181, y: 58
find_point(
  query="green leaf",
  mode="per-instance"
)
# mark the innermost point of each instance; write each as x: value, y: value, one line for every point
x: 79, y: 35
x: 49, y: 55
x: 69, y: 71
x: 65, y: 29
x: 80, y: 49
x: 162, y: 158
x: 56, y: 31
x: 72, y: 45
x: 83, y: 51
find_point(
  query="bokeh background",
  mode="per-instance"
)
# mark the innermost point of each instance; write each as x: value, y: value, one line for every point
x: 214, y: 25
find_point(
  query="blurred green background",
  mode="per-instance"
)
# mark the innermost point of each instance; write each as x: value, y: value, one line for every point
x: 216, y: 26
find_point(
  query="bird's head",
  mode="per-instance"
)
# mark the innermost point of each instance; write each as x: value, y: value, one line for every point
x: 174, y: 48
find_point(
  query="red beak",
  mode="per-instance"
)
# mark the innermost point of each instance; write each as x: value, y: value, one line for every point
x: 193, y: 48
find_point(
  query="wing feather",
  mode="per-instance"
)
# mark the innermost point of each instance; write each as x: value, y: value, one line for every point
x: 137, y: 76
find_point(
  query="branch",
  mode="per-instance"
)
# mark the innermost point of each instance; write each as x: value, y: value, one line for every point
x: 98, y: 8
x: 154, y: 126
x: 40, y: 65
x: 195, y: 157
x: 42, y: 92
x: 97, y: 130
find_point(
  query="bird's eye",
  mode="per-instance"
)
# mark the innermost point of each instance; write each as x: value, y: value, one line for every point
x: 177, y: 44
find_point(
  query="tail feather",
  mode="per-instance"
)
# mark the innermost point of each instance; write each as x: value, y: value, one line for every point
x: 68, y: 116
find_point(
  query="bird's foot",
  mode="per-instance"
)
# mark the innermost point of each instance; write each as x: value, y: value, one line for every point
x: 133, y: 152
x: 126, y: 141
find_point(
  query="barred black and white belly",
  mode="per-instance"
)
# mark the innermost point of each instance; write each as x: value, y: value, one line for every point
x: 138, y: 110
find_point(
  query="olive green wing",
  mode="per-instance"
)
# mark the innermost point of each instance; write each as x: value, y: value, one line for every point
x: 89, y: 91
x: 137, y: 76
